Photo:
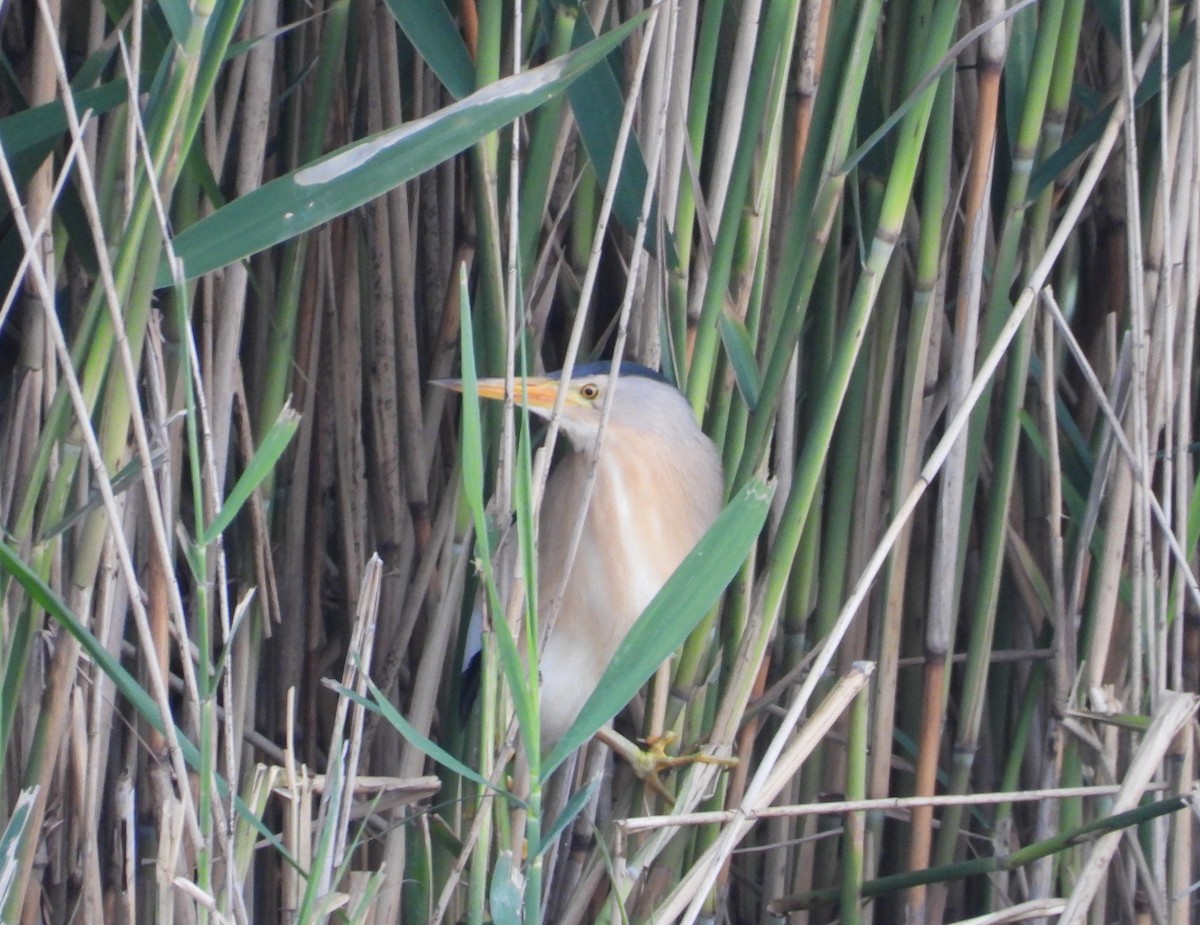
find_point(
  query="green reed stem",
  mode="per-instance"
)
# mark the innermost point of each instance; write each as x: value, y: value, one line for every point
x: 770, y: 68
x: 854, y: 833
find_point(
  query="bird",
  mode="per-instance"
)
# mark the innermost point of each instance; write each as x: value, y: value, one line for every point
x: 658, y: 487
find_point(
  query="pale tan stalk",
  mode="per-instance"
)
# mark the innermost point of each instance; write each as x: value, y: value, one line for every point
x: 1174, y: 710
x: 671, y: 59
x: 1021, y: 912
x: 67, y: 653
x: 953, y: 487
x: 437, y: 642
x: 687, y: 897
x: 1182, y: 767
x: 170, y: 845
x: 1192, y: 587
x: 894, y: 805
x: 1065, y: 658
x: 1144, y: 426
x: 354, y: 677
x: 730, y: 133
x: 251, y: 113
x: 37, y: 361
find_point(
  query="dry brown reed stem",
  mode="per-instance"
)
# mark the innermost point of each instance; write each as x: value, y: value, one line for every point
x: 403, y: 269
x: 264, y: 562
x: 362, y: 643
x: 345, y: 352
x: 730, y: 131
x: 689, y: 894
x: 1173, y: 711
x: 297, y: 816
x: 954, y: 489
x: 1133, y: 461
x: 1021, y: 912
x: 251, y: 112
x: 440, y: 541
x: 894, y: 804
x: 438, y: 640
x: 67, y: 649
x: 811, y: 62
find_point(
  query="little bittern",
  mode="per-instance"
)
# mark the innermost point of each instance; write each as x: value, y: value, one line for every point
x: 658, y: 488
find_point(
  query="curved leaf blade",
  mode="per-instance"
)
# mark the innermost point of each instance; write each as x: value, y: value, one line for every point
x: 126, y: 684
x: 431, y: 29
x: 356, y: 174
x: 599, y: 107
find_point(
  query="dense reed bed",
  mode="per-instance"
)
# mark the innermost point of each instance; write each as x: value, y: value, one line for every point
x: 927, y: 274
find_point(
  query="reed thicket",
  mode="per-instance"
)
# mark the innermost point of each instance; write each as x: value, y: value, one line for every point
x: 927, y: 273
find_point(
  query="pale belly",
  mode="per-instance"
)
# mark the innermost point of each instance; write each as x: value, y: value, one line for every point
x: 635, y: 535
x: 586, y: 637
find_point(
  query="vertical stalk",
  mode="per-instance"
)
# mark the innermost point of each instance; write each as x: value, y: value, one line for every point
x: 699, y: 112
x: 926, y: 301
x: 822, y: 181
x: 995, y: 540
x: 771, y: 62
x: 953, y: 511
x: 539, y: 172
x: 828, y: 405
x: 854, y: 833
x: 285, y: 311
x: 484, y: 159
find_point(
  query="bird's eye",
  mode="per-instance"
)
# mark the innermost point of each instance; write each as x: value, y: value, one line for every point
x: 589, y: 390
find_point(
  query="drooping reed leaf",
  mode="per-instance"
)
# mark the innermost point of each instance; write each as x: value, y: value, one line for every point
x: 179, y: 17
x: 357, y: 173
x: 739, y: 349
x: 31, y: 127
x: 379, y: 703
x: 430, y: 28
x: 262, y: 464
x: 574, y: 806
x: 598, y: 106
x: 45, y: 597
x: 10, y: 842
x: 507, y: 891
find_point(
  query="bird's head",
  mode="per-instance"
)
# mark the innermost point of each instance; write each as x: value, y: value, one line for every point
x: 644, y: 399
